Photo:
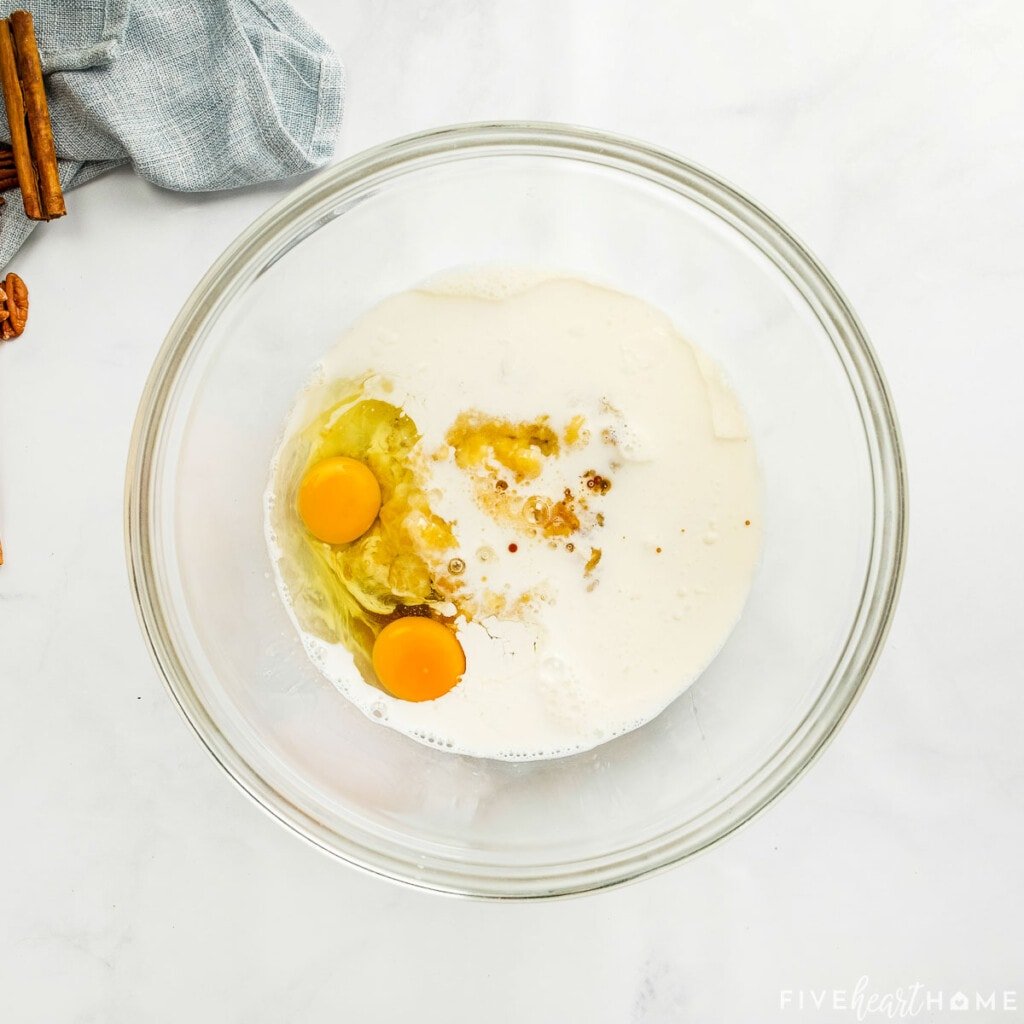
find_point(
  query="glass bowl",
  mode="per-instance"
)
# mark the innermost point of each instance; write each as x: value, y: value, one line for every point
x: 606, y: 208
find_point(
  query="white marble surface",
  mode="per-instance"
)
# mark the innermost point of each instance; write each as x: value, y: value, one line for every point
x: 140, y: 886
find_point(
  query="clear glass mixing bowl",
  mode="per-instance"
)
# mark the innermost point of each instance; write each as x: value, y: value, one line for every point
x: 620, y: 212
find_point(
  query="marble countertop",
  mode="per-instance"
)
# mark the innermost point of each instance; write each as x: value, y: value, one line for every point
x: 140, y: 886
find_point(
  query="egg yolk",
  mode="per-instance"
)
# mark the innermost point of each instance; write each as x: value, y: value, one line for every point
x: 339, y: 499
x: 417, y: 659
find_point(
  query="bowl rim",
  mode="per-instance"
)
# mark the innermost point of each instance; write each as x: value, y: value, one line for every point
x: 282, y: 226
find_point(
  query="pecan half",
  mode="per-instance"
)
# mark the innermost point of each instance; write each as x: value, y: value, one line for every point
x: 13, y: 307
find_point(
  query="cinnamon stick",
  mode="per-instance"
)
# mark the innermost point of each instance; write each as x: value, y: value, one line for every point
x: 15, y: 104
x: 40, y: 132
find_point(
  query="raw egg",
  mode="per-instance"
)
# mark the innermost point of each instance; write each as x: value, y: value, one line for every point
x: 339, y: 499
x: 417, y: 658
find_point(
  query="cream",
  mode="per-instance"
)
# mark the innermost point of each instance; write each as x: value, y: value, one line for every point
x: 575, y: 657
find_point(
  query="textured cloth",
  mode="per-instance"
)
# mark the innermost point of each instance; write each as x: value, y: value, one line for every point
x: 197, y: 95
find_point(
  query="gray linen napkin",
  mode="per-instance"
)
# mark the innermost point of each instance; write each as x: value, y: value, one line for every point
x: 197, y: 95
